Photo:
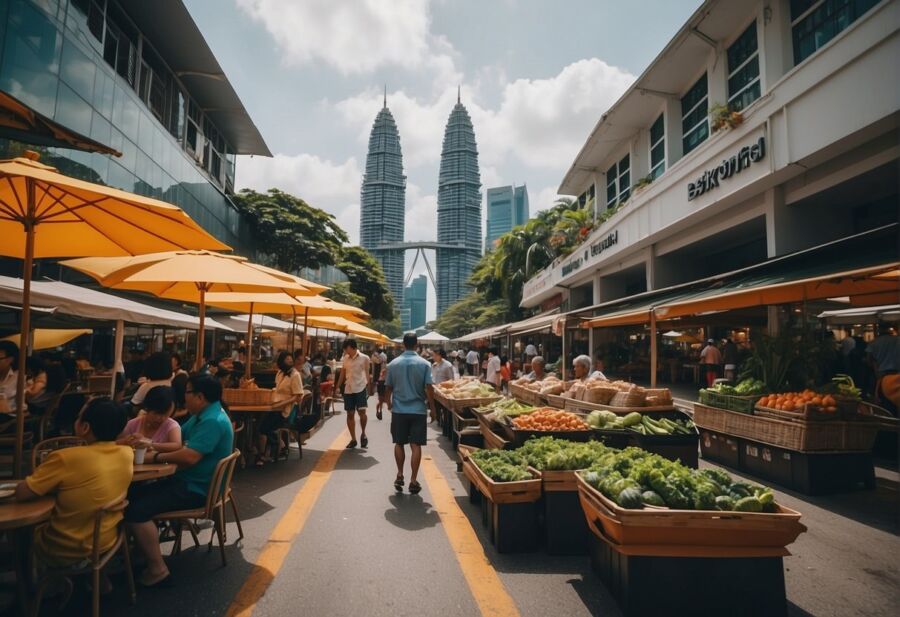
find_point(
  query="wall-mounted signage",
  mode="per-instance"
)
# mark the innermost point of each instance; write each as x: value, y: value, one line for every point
x: 605, y: 243
x: 729, y: 167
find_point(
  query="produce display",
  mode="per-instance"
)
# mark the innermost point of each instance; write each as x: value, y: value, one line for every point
x: 549, y: 385
x: 466, y: 389
x: 634, y: 478
x: 501, y: 465
x: 797, y: 401
x: 844, y: 386
x: 554, y: 454
x: 617, y: 393
x: 549, y: 419
x: 639, y: 423
x: 747, y: 387
x: 505, y: 408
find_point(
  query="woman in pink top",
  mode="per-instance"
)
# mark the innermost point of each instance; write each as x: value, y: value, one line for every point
x: 155, y: 428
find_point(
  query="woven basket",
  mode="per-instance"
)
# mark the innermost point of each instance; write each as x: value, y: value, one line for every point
x: 601, y: 395
x: 627, y: 399
x: 791, y: 435
x: 248, y: 396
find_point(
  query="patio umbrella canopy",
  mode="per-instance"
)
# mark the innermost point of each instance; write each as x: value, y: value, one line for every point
x: 433, y: 338
x: 44, y: 213
x: 188, y: 276
x: 45, y: 338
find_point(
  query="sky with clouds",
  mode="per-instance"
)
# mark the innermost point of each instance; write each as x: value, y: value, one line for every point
x: 536, y: 75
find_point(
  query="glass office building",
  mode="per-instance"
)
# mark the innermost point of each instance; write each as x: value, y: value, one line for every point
x: 415, y: 301
x: 137, y: 76
x: 507, y: 207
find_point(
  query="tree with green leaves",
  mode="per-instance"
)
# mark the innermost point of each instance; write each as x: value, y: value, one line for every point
x: 289, y: 233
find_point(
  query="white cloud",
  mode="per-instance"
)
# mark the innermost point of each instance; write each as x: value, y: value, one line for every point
x: 421, y: 214
x: 354, y: 36
x: 333, y: 187
x: 543, y: 199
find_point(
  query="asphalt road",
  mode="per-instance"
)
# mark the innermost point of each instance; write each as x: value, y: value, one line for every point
x: 364, y: 550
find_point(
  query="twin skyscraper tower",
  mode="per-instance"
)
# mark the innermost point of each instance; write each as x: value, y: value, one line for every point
x: 383, y: 207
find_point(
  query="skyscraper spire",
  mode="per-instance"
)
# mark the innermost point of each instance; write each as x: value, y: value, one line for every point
x: 385, y: 97
x: 458, y: 94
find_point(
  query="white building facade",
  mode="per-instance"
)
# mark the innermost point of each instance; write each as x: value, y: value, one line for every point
x: 811, y: 88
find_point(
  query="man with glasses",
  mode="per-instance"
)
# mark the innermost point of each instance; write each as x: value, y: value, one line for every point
x: 207, y: 437
x: 9, y: 359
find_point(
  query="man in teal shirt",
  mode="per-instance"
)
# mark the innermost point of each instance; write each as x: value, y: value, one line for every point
x: 410, y: 394
x: 208, y: 437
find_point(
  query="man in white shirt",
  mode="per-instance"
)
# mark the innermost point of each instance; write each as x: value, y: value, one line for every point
x: 472, y: 362
x: 9, y: 359
x: 493, y: 369
x: 357, y: 376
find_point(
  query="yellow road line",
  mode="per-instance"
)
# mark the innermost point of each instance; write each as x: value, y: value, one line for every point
x: 487, y: 588
x: 282, y: 537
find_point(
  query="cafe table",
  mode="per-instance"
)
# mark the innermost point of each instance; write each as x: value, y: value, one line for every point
x: 152, y: 471
x: 18, y: 517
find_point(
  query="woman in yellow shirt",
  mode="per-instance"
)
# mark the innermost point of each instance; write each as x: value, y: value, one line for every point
x: 83, y: 479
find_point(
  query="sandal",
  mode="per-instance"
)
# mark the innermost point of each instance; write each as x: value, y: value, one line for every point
x: 414, y: 488
x: 260, y: 461
x: 398, y: 484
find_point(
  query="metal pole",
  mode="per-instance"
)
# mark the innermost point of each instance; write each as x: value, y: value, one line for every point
x: 118, y: 367
x: 200, y: 332
x: 293, y: 329
x: 249, y: 355
x: 653, y: 350
x: 305, y: 328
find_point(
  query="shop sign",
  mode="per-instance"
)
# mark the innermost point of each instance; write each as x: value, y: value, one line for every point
x: 605, y: 243
x: 728, y: 168
x: 574, y: 264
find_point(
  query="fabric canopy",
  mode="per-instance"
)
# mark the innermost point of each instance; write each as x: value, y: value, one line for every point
x: 283, y: 304
x: 49, y: 339
x: 544, y: 321
x: 89, y: 304
x: 433, y: 337
x: 239, y: 322
x: 479, y: 334
x: 866, y: 315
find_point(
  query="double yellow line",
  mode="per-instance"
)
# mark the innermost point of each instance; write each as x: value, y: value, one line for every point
x: 487, y: 589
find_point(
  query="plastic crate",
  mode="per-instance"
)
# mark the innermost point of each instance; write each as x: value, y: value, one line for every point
x: 741, y: 404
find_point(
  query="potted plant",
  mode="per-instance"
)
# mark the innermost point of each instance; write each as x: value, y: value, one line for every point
x: 642, y: 183
x: 724, y: 116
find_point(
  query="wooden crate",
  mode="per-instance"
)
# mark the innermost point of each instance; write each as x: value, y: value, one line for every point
x: 698, y: 528
x: 790, y: 435
x: 525, y: 491
x: 246, y: 396
x: 491, y: 439
x: 558, y: 481
x: 459, y: 405
x: 556, y: 400
x: 586, y: 407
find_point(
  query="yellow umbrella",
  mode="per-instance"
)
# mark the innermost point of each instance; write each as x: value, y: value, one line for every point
x: 44, y: 213
x: 282, y: 303
x: 187, y: 276
x: 342, y: 324
x: 48, y: 339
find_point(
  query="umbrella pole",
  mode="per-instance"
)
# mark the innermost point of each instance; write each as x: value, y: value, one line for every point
x: 305, y: 327
x: 23, y: 337
x: 293, y: 329
x: 200, y: 332
x: 249, y: 355
x: 118, y: 367
x: 653, y: 348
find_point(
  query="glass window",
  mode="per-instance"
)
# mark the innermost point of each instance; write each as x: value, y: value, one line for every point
x: 72, y: 111
x: 611, y: 192
x: 815, y: 22
x: 624, y: 178
x: 31, y: 57
x: 101, y: 129
x: 743, y: 69
x: 77, y: 70
x: 658, y: 147
x: 694, y: 112
x: 104, y: 94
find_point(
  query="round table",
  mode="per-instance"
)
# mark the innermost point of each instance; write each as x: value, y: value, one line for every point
x: 17, y: 517
x: 152, y: 471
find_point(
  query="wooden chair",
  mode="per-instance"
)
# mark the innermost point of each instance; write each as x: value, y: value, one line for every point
x: 286, y: 433
x: 218, y: 495
x: 54, y: 443
x: 95, y: 564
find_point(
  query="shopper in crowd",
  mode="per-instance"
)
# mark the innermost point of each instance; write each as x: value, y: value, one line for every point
x: 598, y: 368
x: 441, y: 370
x: 355, y: 379
x: 155, y: 425
x: 530, y: 352
x: 581, y: 366
x: 505, y: 373
x: 81, y: 478
x: 884, y: 357
x: 134, y: 367
x: 303, y: 366
x: 207, y: 439
x: 711, y: 358
x: 492, y: 369
x: 730, y: 360
x: 410, y: 395
x: 288, y: 392
x: 157, y: 372
x: 379, y: 371
x: 9, y: 362
x: 473, y: 363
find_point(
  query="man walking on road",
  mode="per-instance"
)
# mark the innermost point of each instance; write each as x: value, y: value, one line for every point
x: 472, y: 362
x: 356, y: 377
x: 410, y: 395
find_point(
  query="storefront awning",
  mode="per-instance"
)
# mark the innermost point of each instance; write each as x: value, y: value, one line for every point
x: 537, y: 323
x: 866, y: 315
x: 480, y: 334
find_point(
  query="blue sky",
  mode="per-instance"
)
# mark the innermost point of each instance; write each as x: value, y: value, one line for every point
x: 536, y: 75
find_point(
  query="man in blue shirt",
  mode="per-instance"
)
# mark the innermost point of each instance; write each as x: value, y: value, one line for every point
x: 410, y: 395
x: 208, y: 438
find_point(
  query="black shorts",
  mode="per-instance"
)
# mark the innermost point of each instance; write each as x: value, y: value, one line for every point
x: 379, y: 388
x: 271, y: 422
x: 356, y: 400
x: 145, y: 501
x: 409, y: 428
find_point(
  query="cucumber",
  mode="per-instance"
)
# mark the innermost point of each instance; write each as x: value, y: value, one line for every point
x: 632, y: 419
